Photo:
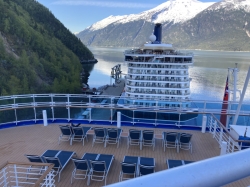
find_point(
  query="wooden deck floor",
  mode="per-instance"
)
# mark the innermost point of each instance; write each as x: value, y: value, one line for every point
x: 35, y: 139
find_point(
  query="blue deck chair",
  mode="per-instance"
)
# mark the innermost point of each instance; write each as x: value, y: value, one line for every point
x: 174, y: 163
x: 146, y: 166
x: 170, y: 140
x: 187, y: 162
x: 79, y: 134
x: 185, y: 141
x: 81, y: 169
x: 66, y: 134
x: 35, y: 158
x: 127, y: 169
x: 99, y: 136
x: 134, y: 137
x: 145, y: 170
x: 113, y: 136
x: 60, y: 161
x: 99, y: 169
x: 82, y: 166
x: 148, y: 138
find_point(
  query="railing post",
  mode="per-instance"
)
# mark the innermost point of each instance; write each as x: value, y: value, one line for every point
x: 215, y: 127
x: 111, y: 115
x: 90, y: 114
x: 221, y: 134
x: 118, y: 119
x: 210, y: 124
x: 45, y: 120
x: 68, y: 108
x: 223, y: 149
x: 204, y: 124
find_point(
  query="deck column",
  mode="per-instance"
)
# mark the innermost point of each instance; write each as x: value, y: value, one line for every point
x: 45, y: 120
x: 204, y: 124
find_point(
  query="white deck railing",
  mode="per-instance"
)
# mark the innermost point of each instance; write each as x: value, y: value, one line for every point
x: 73, y: 102
x: 222, y: 134
x: 27, y: 174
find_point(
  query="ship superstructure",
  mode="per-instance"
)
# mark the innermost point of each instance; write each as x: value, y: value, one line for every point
x: 157, y: 71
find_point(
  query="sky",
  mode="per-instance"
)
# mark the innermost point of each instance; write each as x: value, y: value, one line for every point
x: 76, y: 15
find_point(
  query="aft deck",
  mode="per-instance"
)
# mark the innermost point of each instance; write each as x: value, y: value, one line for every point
x: 35, y: 139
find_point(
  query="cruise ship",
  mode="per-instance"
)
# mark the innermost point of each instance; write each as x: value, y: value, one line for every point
x: 158, y: 76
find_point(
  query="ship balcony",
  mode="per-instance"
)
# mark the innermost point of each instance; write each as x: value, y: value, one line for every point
x: 164, y: 87
x: 161, y: 92
x: 137, y: 52
x: 156, y: 73
x: 166, y: 67
x: 165, y: 80
x: 133, y: 61
x: 162, y: 95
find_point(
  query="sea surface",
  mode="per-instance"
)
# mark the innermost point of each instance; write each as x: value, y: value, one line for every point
x: 209, y: 72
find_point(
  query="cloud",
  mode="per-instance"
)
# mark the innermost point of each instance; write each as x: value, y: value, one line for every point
x: 103, y: 4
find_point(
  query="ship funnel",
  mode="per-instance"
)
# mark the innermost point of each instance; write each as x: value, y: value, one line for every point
x: 158, y: 33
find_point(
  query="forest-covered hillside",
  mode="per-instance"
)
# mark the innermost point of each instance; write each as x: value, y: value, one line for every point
x: 37, y: 53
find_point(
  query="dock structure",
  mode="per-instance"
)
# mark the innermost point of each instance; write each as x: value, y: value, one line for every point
x: 116, y: 89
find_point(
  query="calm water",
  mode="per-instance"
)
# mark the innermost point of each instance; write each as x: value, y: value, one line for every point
x: 208, y: 73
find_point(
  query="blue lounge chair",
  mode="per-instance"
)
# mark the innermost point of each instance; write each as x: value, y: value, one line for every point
x: 170, y: 140
x: 66, y: 134
x: 113, y: 136
x: 187, y: 162
x: 148, y: 138
x: 79, y: 133
x: 127, y: 169
x: 146, y: 166
x: 129, y: 163
x: 134, y: 137
x: 174, y: 163
x: 60, y: 160
x: 81, y: 169
x: 185, y: 141
x: 99, y: 136
x: 35, y: 158
x: 100, y: 167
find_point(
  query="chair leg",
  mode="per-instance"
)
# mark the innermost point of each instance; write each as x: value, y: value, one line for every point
x: 105, y: 143
x: 70, y: 141
x: 83, y: 141
x: 72, y: 176
x: 86, y: 137
x: 59, y: 175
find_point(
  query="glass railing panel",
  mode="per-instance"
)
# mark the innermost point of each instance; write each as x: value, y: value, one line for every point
x: 7, y: 116
x: 39, y: 112
x: 60, y: 112
x: 25, y: 114
x: 28, y: 99
x: 6, y: 101
x: 42, y: 98
x: 60, y: 98
x: 78, y: 113
x: 101, y: 114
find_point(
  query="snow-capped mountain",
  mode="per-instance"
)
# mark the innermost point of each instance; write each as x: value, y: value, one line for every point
x: 186, y: 24
x: 171, y: 11
x: 232, y: 5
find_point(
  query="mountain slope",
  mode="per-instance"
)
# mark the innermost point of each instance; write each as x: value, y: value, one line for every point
x: 221, y: 26
x: 170, y: 13
x: 38, y: 54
